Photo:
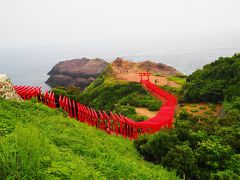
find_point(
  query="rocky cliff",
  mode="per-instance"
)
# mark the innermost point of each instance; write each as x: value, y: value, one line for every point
x: 121, y: 65
x: 76, y: 72
x: 6, y: 89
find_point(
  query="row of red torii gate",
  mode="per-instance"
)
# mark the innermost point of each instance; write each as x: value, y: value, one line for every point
x: 111, y: 123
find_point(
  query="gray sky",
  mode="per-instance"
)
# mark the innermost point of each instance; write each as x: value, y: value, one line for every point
x: 142, y: 24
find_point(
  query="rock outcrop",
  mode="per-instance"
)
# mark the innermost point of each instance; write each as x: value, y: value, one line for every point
x: 7, y: 90
x: 121, y: 65
x: 76, y: 72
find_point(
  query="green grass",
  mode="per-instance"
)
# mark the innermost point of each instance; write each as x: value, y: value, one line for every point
x: 37, y: 142
x: 177, y: 79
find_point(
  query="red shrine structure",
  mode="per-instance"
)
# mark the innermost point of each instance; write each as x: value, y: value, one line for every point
x: 144, y: 74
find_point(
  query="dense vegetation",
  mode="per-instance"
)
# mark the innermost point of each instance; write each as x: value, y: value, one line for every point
x: 37, y: 142
x: 109, y: 94
x: 217, y: 81
x: 198, y: 148
x: 203, y: 147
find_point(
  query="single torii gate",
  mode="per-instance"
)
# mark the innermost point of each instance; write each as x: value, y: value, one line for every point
x: 144, y: 74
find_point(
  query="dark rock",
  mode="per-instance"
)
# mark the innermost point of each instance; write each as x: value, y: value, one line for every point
x: 76, y: 72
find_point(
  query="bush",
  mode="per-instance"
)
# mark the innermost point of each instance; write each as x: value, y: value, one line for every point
x: 193, y: 105
x: 156, y: 146
x: 138, y: 118
x: 126, y: 110
x: 212, y: 106
x: 154, y: 105
x: 208, y: 113
x: 194, y: 110
x: 202, y: 107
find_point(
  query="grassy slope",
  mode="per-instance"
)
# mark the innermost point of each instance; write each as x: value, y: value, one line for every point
x: 39, y: 142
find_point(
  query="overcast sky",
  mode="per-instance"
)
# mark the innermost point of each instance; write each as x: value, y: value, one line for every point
x: 130, y: 23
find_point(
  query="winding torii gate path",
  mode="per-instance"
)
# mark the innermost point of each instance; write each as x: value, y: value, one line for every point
x: 112, y: 123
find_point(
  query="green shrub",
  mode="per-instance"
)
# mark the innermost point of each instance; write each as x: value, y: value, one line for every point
x: 126, y: 110
x: 208, y: 113
x: 202, y: 107
x: 194, y: 110
x: 154, y: 105
x: 212, y: 106
x: 193, y: 105
x: 138, y: 118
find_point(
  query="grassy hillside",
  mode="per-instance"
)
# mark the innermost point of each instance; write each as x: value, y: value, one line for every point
x: 40, y: 143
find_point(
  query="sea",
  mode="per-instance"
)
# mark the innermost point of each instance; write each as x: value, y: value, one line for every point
x: 29, y: 66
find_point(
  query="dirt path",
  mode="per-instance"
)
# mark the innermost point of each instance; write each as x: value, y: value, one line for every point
x: 145, y: 112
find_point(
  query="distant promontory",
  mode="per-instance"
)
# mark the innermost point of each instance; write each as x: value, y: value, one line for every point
x: 76, y: 72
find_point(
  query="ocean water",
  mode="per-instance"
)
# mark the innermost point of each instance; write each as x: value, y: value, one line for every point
x: 30, y: 66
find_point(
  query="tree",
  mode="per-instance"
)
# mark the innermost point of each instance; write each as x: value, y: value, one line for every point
x: 212, y: 157
x: 182, y: 159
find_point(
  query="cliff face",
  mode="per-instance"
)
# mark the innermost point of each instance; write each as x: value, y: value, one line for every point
x: 6, y: 89
x: 76, y: 72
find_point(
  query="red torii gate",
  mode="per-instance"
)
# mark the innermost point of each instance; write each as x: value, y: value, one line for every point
x: 144, y: 74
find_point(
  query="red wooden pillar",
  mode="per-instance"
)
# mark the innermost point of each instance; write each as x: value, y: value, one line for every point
x: 74, y: 109
x: 70, y: 107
